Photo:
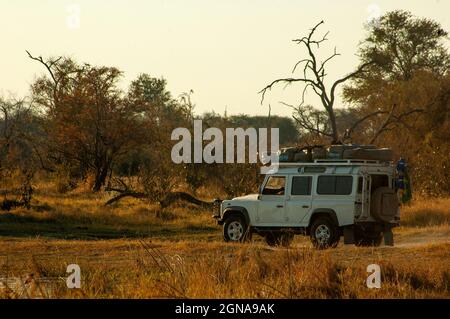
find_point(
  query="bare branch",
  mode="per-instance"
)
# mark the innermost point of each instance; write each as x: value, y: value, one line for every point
x: 296, y: 64
x: 287, y: 80
x: 399, y: 117
x: 310, y: 127
x: 322, y: 65
x: 360, y: 70
x: 288, y: 105
x: 393, y: 120
x: 310, y: 120
x: 350, y: 130
x: 318, y: 42
x: 48, y: 65
x: 310, y: 34
x: 304, y: 92
x: 315, y: 79
x: 384, y: 125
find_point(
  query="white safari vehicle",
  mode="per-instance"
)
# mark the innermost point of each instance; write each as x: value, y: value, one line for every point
x: 324, y: 199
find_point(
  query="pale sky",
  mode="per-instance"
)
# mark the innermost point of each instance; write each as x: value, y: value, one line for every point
x: 224, y: 50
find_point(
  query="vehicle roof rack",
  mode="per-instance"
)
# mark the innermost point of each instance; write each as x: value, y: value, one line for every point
x: 343, y: 162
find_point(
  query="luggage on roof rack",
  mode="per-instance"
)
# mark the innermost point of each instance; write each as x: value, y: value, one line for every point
x: 319, y: 153
x: 379, y: 154
x: 334, y: 152
x: 294, y: 154
x: 337, y: 151
x: 288, y: 154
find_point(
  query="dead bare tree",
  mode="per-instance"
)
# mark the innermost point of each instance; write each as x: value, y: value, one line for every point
x: 314, y: 78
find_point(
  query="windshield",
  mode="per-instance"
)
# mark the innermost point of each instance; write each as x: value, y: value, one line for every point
x: 275, y: 185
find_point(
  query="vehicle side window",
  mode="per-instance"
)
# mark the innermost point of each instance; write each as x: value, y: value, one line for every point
x: 344, y: 185
x: 326, y: 185
x: 275, y: 185
x: 334, y: 185
x: 301, y: 185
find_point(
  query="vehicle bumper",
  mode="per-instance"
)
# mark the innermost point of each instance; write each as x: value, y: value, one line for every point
x: 217, y: 211
x: 218, y: 219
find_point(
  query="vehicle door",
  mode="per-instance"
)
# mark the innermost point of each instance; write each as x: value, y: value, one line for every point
x: 298, y: 201
x: 272, y: 200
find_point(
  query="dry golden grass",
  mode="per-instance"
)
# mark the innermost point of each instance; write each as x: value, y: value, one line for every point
x: 134, y: 249
x: 427, y: 212
x: 162, y: 269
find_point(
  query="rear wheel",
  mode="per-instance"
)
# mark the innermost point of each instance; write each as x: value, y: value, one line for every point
x: 235, y: 229
x: 367, y: 238
x: 324, y: 233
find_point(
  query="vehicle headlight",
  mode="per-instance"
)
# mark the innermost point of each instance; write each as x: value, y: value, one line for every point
x: 217, y: 207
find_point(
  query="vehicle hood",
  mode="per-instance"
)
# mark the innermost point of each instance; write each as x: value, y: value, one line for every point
x: 247, y: 197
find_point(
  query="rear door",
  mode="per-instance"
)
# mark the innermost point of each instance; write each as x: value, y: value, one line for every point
x: 365, y: 195
x: 359, y: 196
x: 298, y: 202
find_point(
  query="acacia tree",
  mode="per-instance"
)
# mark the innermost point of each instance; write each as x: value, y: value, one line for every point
x: 17, y: 163
x: 158, y: 178
x: 14, y: 115
x: 313, y: 78
x: 18, y: 124
x: 87, y: 121
x: 404, y: 47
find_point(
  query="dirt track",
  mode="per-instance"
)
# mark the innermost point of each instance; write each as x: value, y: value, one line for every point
x: 115, y: 250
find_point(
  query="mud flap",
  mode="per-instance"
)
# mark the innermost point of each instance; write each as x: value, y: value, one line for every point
x: 349, y: 235
x: 388, y: 237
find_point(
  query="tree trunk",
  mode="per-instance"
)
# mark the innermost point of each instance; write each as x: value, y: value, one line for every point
x: 334, y: 130
x: 100, y: 178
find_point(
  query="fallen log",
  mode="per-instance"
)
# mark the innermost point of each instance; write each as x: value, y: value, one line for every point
x: 8, y: 204
x: 175, y: 196
x: 169, y: 199
x: 126, y: 194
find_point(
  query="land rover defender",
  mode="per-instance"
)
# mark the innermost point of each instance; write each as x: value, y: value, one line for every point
x: 323, y: 199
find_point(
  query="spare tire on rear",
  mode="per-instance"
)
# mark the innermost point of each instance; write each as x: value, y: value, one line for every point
x: 384, y: 204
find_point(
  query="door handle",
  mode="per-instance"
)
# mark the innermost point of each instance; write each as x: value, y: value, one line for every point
x: 305, y: 206
x: 280, y: 206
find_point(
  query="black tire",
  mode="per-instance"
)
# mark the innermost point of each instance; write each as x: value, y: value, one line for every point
x: 368, y: 239
x: 235, y: 229
x: 279, y: 239
x: 324, y: 233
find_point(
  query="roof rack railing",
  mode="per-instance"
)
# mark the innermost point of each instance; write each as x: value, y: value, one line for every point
x: 346, y: 161
x: 335, y: 162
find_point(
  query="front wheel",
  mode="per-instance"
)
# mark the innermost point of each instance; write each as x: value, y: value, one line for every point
x: 324, y: 233
x: 235, y: 229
